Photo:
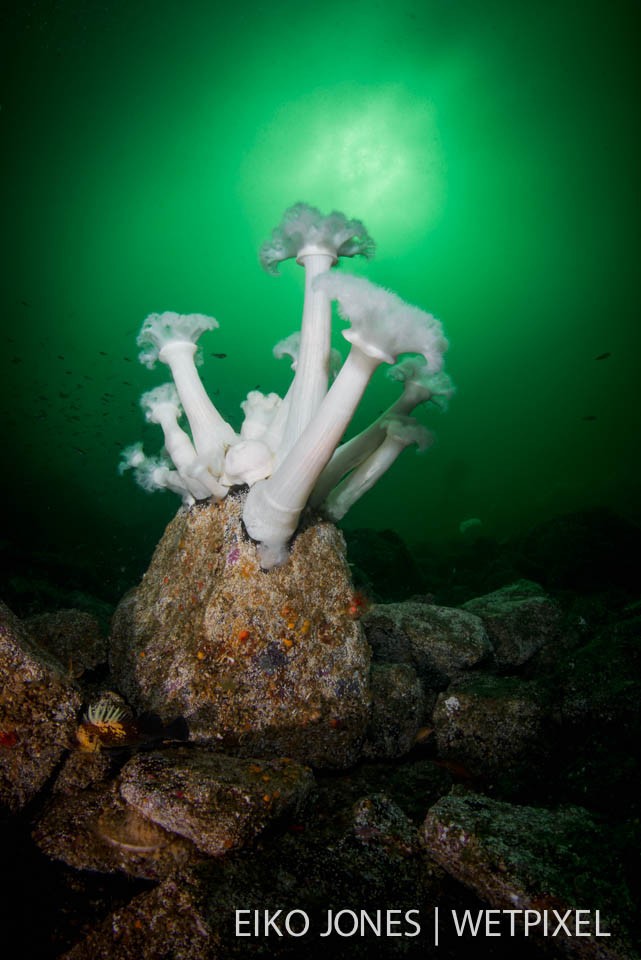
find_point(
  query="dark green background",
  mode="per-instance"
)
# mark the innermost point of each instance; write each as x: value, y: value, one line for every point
x: 491, y: 148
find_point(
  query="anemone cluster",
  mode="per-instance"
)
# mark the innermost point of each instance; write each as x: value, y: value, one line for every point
x: 288, y: 450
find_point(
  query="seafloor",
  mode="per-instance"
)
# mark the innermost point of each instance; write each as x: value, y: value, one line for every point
x: 498, y: 769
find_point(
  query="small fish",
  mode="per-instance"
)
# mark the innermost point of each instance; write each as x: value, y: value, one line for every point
x: 590, y: 416
x: 102, y: 353
x: 219, y: 356
x: 603, y: 356
x: 24, y: 303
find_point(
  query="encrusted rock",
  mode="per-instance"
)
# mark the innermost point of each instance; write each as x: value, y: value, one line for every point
x: 519, y: 618
x: 528, y: 858
x: 398, y: 708
x: 73, y: 636
x: 378, y: 820
x: 95, y: 829
x: 38, y: 708
x: 219, y: 803
x: 164, y: 922
x: 495, y: 726
x: 440, y: 642
x: 165, y: 809
x: 367, y: 857
x: 599, y: 688
x: 262, y: 663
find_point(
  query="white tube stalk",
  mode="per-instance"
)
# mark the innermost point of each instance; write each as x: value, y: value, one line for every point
x: 312, y: 365
x: 206, y: 471
x: 165, y: 479
x: 382, y: 328
x: 352, y: 453
x: 178, y: 446
x: 208, y: 429
x: 273, y: 436
x: 273, y: 506
x: 345, y: 495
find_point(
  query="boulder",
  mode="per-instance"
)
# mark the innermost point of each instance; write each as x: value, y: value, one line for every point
x: 73, y: 636
x: 257, y: 663
x: 39, y: 704
x: 519, y: 618
x: 440, y: 642
x: 398, y: 708
x: 497, y: 727
x: 530, y: 858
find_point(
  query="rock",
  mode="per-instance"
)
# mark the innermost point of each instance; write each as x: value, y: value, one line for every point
x: 528, y: 858
x: 38, y: 709
x: 440, y: 642
x: 519, y: 619
x: 260, y: 663
x: 219, y: 803
x: 377, y: 819
x: 95, y: 829
x: 398, y: 708
x: 495, y: 727
x: 599, y: 688
x: 601, y: 681
x: 73, y: 636
x: 367, y: 857
x: 165, y: 809
x: 165, y: 922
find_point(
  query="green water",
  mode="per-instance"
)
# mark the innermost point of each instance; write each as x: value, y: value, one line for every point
x: 492, y: 149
